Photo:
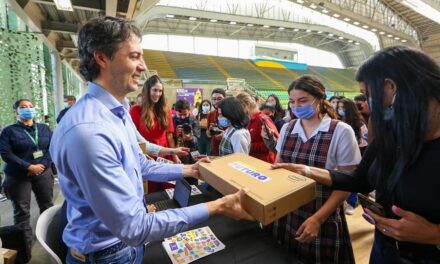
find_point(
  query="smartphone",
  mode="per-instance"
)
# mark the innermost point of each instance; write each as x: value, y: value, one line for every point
x: 371, y: 205
x: 266, y: 128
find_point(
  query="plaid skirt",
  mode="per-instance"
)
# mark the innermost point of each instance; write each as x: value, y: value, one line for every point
x: 332, y: 245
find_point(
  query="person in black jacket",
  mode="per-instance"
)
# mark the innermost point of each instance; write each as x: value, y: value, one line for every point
x: 24, y: 146
x: 69, y: 101
x: 402, y: 162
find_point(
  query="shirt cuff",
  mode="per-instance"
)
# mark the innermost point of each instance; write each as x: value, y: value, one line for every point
x: 175, y: 172
x: 197, y: 213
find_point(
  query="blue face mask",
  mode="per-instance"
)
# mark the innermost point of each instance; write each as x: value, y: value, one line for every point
x: 223, y: 122
x: 205, y: 108
x: 341, y: 112
x: 66, y: 104
x: 305, y: 111
x: 388, y: 113
x: 27, y: 113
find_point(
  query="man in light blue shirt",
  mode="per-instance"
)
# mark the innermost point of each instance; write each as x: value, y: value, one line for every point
x: 100, y: 164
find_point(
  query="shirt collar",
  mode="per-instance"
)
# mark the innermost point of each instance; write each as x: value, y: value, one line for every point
x: 106, y: 98
x: 324, y: 126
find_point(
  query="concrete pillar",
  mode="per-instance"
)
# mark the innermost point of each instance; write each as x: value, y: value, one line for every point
x: 57, y: 80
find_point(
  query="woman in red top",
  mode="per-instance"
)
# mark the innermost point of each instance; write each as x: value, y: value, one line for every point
x: 259, y: 149
x: 154, y: 121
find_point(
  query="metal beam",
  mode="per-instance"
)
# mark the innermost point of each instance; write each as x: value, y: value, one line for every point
x: 110, y: 7
x: 195, y: 27
x: 60, y: 27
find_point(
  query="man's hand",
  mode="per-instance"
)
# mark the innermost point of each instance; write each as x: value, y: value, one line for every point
x: 181, y: 151
x: 193, y: 170
x: 231, y: 206
x: 36, y: 169
x: 176, y: 159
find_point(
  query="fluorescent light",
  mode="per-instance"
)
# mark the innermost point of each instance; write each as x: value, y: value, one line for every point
x: 347, y: 19
x: 396, y: 38
x: 295, y: 29
x: 250, y: 25
x: 423, y: 8
x: 192, y: 18
x: 356, y: 23
x: 350, y: 41
x: 308, y: 30
x: 357, y: 43
x: 373, y: 29
x: 281, y: 28
x: 300, y: 1
x: 319, y: 32
x: 336, y: 15
x: 389, y: 35
x: 266, y: 26
x: 213, y: 20
x: 365, y: 26
x: 330, y: 35
x: 340, y: 37
x: 233, y: 23
x: 404, y: 40
x: 313, y: 6
x: 325, y: 11
x: 65, y: 5
x: 381, y: 33
x: 169, y: 16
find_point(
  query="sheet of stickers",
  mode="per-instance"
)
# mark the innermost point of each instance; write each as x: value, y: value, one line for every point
x: 192, y: 245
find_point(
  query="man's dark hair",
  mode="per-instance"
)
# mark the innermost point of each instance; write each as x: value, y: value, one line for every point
x: 182, y: 105
x: 360, y: 97
x: 233, y: 110
x: 219, y: 91
x: 102, y: 34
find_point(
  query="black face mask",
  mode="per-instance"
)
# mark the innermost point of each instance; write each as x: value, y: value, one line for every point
x: 181, y: 121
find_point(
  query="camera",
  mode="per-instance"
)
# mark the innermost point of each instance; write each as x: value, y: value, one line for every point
x: 215, y: 130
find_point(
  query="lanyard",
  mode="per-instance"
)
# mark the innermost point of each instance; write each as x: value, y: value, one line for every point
x: 34, y: 139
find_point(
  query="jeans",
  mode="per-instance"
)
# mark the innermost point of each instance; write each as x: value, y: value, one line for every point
x: 132, y: 255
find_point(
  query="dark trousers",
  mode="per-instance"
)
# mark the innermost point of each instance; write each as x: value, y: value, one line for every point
x: 19, y: 192
x: 204, y: 144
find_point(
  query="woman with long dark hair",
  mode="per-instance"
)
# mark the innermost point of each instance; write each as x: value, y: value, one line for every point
x: 204, y: 142
x: 234, y: 120
x: 350, y: 114
x: 277, y: 119
x: 401, y: 163
x: 316, y: 232
x: 154, y: 121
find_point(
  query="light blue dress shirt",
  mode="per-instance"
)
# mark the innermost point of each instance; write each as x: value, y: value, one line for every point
x: 100, y: 169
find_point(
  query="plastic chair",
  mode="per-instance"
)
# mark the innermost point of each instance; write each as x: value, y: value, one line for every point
x: 49, y: 231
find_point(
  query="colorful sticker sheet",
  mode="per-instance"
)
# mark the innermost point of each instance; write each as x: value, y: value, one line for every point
x: 194, y: 191
x: 191, y: 245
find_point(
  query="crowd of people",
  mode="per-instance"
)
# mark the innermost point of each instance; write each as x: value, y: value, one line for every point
x: 386, y: 139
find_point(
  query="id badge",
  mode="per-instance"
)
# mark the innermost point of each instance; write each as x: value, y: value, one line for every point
x: 38, y: 154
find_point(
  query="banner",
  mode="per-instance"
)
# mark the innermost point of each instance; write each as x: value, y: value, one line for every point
x: 192, y: 95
